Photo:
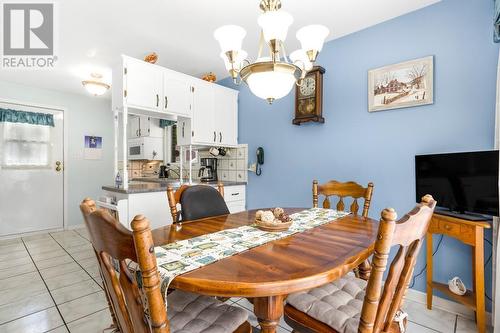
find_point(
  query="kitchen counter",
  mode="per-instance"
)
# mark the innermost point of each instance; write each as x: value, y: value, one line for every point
x: 160, y: 185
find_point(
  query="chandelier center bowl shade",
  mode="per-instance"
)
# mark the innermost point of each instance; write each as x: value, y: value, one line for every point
x: 272, y: 77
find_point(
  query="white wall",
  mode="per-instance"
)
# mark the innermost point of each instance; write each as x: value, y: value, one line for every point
x: 86, y: 115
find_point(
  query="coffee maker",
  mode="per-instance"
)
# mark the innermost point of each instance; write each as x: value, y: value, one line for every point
x: 208, y: 170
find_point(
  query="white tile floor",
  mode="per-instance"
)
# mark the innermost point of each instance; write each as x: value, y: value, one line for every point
x: 50, y: 283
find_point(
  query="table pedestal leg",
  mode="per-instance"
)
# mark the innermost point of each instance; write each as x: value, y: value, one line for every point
x: 268, y: 311
x: 364, y: 270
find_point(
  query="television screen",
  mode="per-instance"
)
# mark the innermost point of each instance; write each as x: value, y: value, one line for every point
x: 460, y: 182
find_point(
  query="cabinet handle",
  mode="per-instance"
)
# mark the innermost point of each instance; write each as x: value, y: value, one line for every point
x: 215, y: 136
x: 137, y: 133
x: 166, y: 101
x: 157, y: 100
x: 183, y: 124
x: 220, y: 136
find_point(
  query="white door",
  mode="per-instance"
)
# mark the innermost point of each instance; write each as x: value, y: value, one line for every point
x: 176, y: 94
x: 226, y: 116
x: 31, y: 174
x: 203, y: 114
x: 143, y: 85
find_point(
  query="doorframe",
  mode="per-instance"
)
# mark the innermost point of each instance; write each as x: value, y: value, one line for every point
x: 65, y: 145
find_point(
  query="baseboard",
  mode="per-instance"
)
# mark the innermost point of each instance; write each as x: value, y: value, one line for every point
x: 444, y: 304
x: 76, y: 226
x: 34, y: 233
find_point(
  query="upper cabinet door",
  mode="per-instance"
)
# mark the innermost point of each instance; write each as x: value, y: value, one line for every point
x: 177, y: 95
x: 226, y: 116
x: 203, y: 121
x: 134, y: 125
x: 143, y: 85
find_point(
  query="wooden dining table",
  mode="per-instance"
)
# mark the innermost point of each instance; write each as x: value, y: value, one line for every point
x: 267, y: 274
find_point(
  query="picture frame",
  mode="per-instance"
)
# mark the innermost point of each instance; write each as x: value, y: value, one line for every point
x: 402, y: 85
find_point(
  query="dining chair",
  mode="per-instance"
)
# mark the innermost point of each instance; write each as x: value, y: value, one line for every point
x: 342, y: 190
x: 197, y: 202
x: 116, y: 247
x: 350, y: 304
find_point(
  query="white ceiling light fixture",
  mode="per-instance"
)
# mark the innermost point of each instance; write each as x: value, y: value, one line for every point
x: 271, y: 77
x: 95, y: 86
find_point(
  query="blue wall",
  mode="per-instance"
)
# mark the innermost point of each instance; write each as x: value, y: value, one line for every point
x: 380, y: 147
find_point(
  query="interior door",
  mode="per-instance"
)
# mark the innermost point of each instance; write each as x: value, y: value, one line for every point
x: 203, y: 114
x: 31, y: 174
x: 176, y: 91
x: 143, y: 85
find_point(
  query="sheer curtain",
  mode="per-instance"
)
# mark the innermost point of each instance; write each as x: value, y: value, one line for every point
x: 25, y: 145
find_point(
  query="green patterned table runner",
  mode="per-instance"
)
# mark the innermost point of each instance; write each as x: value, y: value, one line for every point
x: 184, y: 256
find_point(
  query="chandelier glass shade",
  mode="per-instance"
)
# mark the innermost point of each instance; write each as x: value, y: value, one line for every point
x: 274, y: 76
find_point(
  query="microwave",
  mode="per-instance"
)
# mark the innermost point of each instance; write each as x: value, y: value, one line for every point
x: 145, y: 148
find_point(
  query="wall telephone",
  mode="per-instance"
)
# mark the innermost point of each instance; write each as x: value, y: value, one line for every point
x: 260, y: 160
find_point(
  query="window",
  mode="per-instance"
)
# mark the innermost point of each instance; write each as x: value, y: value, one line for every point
x: 25, y: 145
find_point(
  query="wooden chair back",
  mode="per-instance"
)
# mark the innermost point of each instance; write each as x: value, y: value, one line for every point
x: 342, y: 190
x: 380, y: 306
x: 113, y: 244
x: 174, y: 198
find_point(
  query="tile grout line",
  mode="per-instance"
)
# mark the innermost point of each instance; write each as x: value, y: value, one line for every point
x: 76, y: 260
x: 429, y: 328
x: 48, y: 290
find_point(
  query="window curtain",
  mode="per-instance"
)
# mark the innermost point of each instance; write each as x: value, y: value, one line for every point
x: 165, y: 123
x: 33, y: 118
x: 496, y: 23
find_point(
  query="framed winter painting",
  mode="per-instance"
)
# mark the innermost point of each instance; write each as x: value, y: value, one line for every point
x: 407, y: 84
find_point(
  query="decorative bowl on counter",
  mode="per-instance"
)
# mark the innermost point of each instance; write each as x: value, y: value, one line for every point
x: 274, y: 220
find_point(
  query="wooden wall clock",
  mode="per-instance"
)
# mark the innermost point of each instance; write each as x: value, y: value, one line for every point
x: 309, y: 98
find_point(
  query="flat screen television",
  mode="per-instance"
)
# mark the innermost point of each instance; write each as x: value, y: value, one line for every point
x: 465, y: 183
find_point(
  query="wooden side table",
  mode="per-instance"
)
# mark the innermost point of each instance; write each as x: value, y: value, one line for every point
x: 470, y: 233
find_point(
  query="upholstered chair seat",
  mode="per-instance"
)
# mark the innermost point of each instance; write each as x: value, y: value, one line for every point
x: 337, y: 304
x: 192, y: 313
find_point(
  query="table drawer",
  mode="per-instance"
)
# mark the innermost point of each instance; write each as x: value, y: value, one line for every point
x: 449, y: 228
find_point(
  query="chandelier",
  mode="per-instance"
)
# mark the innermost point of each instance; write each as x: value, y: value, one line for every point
x: 271, y: 77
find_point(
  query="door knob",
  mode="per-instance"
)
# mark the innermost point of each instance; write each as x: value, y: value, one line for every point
x: 58, y: 166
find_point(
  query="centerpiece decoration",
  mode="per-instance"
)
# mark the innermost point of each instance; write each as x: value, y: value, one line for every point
x: 274, y: 220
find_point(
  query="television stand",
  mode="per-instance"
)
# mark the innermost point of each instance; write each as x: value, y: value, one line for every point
x: 462, y: 216
x: 470, y: 233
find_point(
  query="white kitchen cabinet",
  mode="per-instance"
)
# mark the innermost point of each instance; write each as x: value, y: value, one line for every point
x: 177, y: 94
x: 226, y: 116
x: 152, y: 90
x: 143, y: 85
x: 215, y: 117
x: 141, y: 126
x: 203, y: 122
x: 134, y: 123
x: 235, y: 198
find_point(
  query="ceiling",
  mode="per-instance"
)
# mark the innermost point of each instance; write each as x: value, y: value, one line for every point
x: 91, y: 34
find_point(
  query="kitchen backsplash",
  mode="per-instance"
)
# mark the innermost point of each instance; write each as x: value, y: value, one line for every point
x: 231, y: 167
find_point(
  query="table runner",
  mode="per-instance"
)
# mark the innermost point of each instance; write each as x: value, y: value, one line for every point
x: 184, y: 256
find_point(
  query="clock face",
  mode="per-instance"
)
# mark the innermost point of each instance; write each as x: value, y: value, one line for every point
x: 308, y: 87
